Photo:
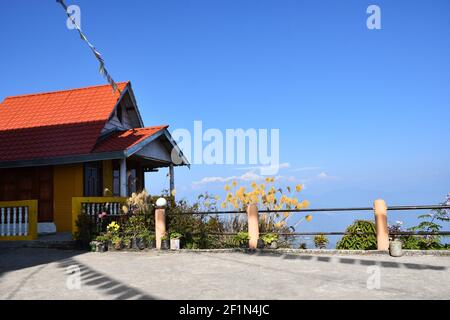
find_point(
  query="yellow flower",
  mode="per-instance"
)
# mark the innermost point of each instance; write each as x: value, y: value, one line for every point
x: 305, y: 203
x: 223, y: 205
x: 234, y: 183
x: 268, y: 180
x: 254, y: 185
x: 298, y: 188
x: 308, y: 217
x: 174, y: 192
x: 227, y: 187
x: 125, y: 209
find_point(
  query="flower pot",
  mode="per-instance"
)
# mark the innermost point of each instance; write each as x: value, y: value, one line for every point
x: 128, y: 245
x: 110, y: 246
x: 93, y: 245
x: 151, y: 244
x: 165, y: 244
x: 138, y: 243
x: 243, y: 245
x: 174, y: 244
x: 260, y: 244
x: 395, y: 248
x: 274, y: 245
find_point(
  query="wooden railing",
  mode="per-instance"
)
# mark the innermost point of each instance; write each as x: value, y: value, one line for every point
x: 18, y: 220
x: 94, y: 206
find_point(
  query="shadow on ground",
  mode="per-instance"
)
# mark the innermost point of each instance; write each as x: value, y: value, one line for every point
x: 111, y: 288
x: 364, y: 262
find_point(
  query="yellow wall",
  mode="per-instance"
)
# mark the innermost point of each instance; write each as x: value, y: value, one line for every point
x: 68, y: 183
x: 107, y: 177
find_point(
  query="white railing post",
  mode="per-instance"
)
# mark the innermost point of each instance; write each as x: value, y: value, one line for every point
x: 8, y: 212
x: 26, y: 221
x: 2, y: 221
x: 14, y: 224
x: 20, y: 221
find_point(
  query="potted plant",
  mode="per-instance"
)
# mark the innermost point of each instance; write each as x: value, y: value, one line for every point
x: 140, y: 240
x: 112, y: 233
x: 175, y: 240
x: 127, y: 243
x: 270, y: 240
x: 151, y: 241
x: 165, y: 242
x: 117, y: 243
x: 395, y: 243
x: 320, y: 241
x: 242, y: 239
x: 99, y: 244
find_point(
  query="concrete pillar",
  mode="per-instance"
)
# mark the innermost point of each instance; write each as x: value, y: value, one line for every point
x: 380, y: 210
x: 123, y: 178
x: 160, y: 225
x: 171, y: 178
x: 253, y: 225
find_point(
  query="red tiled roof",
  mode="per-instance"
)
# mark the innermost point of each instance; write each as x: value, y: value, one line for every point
x: 59, y: 107
x: 49, y: 142
x: 54, y: 124
x: 124, y: 140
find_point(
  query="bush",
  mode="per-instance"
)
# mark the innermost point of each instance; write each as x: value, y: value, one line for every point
x: 320, y: 241
x: 362, y: 236
x: 268, y: 238
x: 86, y: 231
x: 242, y: 237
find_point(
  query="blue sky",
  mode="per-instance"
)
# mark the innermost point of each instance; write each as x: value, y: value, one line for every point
x: 362, y: 113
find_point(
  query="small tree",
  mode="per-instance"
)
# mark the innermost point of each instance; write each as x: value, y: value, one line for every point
x: 320, y: 241
x: 361, y: 236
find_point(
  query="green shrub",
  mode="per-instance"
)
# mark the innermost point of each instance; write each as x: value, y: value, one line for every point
x: 320, y: 241
x: 242, y: 237
x: 86, y: 231
x: 268, y: 238
x: 362, y: 236
x: 175, y: 235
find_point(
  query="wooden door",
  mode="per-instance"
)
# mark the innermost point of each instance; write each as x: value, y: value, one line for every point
x: 29, y: 184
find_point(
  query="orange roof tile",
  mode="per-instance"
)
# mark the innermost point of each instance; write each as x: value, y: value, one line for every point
x: 124, y: 140
x: 56, y: 124
x: 59, y: 107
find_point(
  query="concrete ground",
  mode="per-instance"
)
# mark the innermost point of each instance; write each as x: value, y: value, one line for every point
x: 33, y: 273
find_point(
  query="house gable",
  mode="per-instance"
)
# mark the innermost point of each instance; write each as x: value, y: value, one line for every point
x: 125, y: 114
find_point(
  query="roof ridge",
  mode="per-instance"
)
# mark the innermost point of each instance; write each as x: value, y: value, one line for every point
x: 60, y: 91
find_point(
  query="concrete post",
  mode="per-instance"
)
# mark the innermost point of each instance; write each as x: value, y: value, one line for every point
x: 160, y: 225
x: 171, y: 178
x: 253, y: 225
x: 380, y: 210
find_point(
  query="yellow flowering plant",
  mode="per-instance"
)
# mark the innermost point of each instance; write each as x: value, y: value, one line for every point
x: 267, y: 197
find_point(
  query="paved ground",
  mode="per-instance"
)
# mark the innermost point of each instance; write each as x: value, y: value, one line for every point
x: 31, y: 273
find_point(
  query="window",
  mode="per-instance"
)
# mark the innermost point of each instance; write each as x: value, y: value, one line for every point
x: 93, y: 179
